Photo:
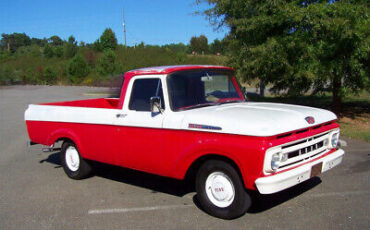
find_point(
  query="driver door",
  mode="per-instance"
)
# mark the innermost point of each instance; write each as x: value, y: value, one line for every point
x: 140, y: 131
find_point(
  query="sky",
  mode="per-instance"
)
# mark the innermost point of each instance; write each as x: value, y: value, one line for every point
x: 155, y: 22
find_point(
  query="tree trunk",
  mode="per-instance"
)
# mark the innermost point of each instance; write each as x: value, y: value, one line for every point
x: 262, y: 88
x: 337, y: 95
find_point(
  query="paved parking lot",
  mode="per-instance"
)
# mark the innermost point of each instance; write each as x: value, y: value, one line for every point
x: 36, y: 194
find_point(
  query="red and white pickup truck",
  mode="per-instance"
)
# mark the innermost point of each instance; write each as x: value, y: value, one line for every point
x: 174, y: 120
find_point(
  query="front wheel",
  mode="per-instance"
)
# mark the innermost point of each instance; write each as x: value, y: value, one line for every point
x: 220, y: 190
x: 73, y: 164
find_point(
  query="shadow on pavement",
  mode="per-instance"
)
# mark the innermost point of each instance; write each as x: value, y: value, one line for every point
x: 133, y: 177
x: 180, y: 188
x: 264, y: 202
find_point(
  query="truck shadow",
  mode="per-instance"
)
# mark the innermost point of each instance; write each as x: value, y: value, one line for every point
x: 264, y: 202
x: 180, y: 188
x: 133, y: 177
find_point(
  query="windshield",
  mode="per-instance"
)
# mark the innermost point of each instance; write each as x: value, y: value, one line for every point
x: 193, y: 89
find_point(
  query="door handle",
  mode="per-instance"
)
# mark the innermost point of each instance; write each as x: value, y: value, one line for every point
x: 121, y: 115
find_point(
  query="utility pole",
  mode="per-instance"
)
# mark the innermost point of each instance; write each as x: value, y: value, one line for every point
x: 124, y: 27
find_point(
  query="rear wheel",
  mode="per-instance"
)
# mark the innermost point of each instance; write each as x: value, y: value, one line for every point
x: 73, y: 164
x: 220, y: 190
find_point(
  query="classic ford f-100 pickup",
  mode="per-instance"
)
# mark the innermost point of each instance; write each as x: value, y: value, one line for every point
x: 177, y: 121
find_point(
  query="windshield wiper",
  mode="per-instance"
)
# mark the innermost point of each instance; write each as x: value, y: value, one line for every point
x: 197, y: 106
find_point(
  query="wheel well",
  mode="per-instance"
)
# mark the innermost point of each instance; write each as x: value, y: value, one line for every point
x: 194, y: 167
x: 63, y: 139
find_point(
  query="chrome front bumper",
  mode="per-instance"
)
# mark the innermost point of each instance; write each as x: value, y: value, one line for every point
x: 284, y: 180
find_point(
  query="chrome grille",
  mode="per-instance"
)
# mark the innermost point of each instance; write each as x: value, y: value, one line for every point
x: 304, y: 149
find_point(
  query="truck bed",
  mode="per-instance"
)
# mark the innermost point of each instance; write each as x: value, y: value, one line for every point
x: 103, y: 103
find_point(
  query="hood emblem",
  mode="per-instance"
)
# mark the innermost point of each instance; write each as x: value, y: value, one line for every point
x: 310, y: 120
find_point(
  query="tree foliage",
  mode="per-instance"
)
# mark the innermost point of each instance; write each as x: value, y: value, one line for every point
x: 107, y: 63
x: 48, y: 51
x: 108, y: 40
x: 39, y: 42
x: 97, y: 46
x: 49, y: 75
x: 298, y: 45
x: 77, y: 69
x: 42, y: 62
x: 55, y: 40
x: 218, y: 47
x: 70, y: 48
x: 11, y: 42
x: 199, y: 44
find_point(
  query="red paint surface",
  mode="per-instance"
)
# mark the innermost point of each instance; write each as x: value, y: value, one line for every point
x: 171, y: 69
x: 160, y: 151
x: 164, y: 152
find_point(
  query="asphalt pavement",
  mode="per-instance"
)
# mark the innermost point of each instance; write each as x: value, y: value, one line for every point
x: 36, y: 194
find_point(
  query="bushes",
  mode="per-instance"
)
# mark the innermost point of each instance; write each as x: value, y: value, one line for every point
x: 49, y: 75
x: 90, y: 58
x: 59, y: 51
x: 30, y: 66
x: 70, y: 49
x: 5, y: 76
x: 107, y: 63
x: 77, y: 69
x: 48, y: 51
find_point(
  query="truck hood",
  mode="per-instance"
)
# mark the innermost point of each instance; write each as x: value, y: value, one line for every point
x: 253, y: 118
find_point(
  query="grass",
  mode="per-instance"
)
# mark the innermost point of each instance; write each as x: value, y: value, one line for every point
x: 354, y: 118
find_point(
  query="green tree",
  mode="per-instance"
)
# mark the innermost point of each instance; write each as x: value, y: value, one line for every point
x: 70, y: 49
x: 55, y: 41
x: 35, y: 51
x: 39, y: 42
x: 107, y: 63
x: 217, y: 46
x: 77, y: 69
x: 177, y: 48
x: 97, y: 46
x: 90, y: 58
x: 58, y: 51
x: 48, y: 51
x: 108, y: 39
x: 199, y: 44
x: 11, y: 42
x: 49, y: 75
x: 299, y: 45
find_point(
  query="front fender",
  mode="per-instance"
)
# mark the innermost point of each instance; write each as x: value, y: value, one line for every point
x: 194, y: 152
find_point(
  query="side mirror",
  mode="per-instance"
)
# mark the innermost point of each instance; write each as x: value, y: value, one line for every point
x: 155, y: 104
